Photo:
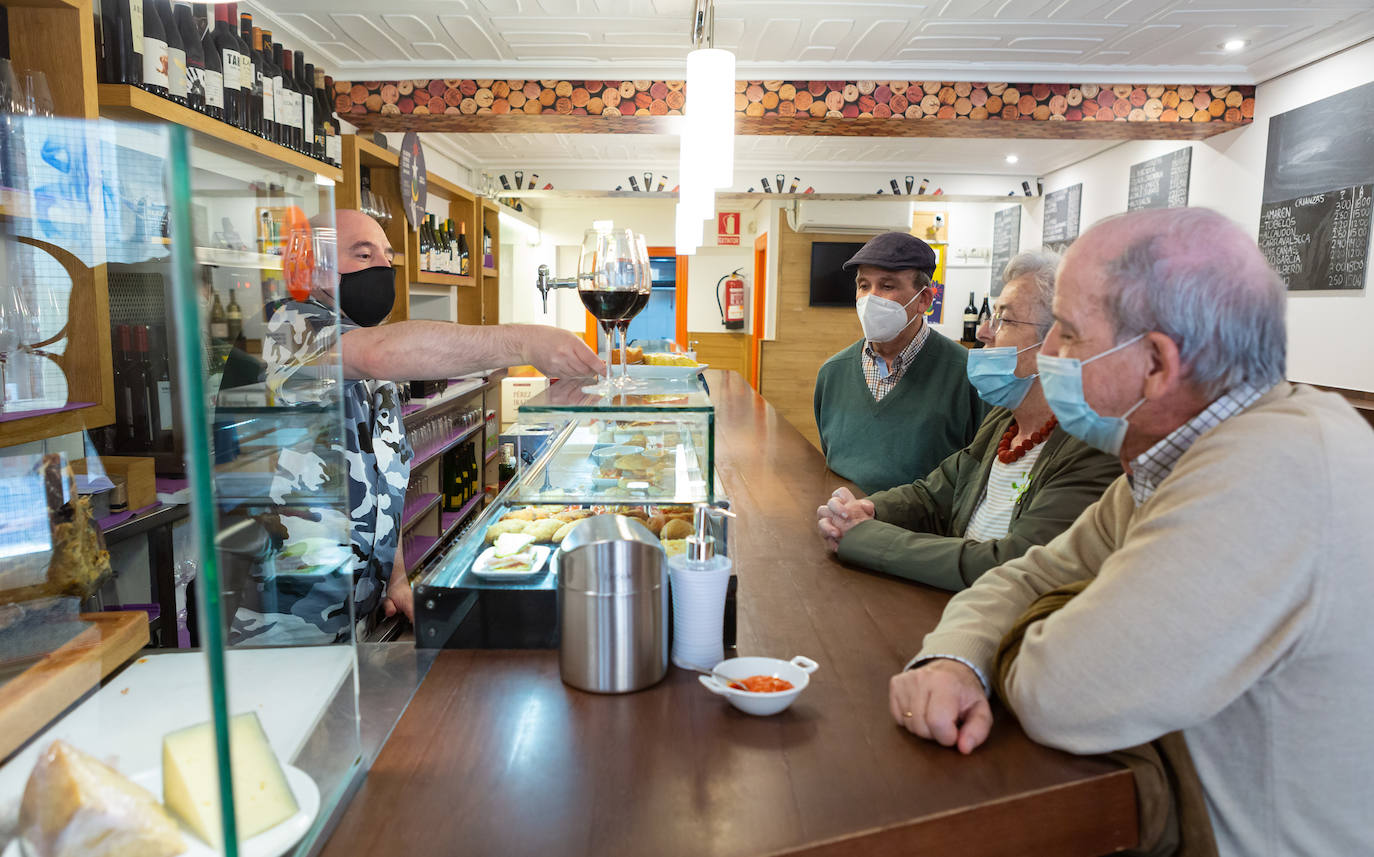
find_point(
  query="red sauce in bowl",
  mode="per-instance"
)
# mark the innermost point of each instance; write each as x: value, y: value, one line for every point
x: 762, y: 684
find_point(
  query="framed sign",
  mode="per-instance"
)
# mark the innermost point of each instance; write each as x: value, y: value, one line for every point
x: 1006, y: 242
x: 414, y: 178
x: 727, y: 228
x: 1160, y: 182
x: 1061, y: 215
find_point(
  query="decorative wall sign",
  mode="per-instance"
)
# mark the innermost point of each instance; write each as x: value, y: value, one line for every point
x: 1160, y: 182
x: 414, y: 179
x: 1318, y: 177
x: 727, y: 228
x: 805, y: 107
x: 1006, y: 242
x: 1062, y: 209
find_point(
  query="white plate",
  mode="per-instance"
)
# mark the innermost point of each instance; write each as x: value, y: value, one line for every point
x: 270, y: 843
x: 679, y: 373
x: 479, y: 567
x: 614, y: 451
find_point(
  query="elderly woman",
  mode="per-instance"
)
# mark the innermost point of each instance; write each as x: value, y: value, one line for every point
x: 1020, y: 483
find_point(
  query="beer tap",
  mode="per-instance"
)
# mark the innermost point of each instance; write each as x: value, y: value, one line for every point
x: 545, y: 283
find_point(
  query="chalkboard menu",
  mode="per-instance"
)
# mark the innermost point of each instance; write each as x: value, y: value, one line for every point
x: 1006, y: 240
x: 1160, y: 182
x: 1061, y: 214
x: 1318, y: 184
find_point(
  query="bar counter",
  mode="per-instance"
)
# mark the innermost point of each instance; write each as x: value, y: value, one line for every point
x: 496, y: 756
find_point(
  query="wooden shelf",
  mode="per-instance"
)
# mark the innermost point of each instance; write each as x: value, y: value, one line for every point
x: 29, y: 701
x: 372, y: 155
x: 434, y: 278
x: 132, y: 102
x: 490, y: 272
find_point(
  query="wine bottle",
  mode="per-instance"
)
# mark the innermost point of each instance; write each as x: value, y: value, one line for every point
x: 487, y: 260
x: 123, y: 373
x: 505, y: 183
x: 219, y: 321
x: 245, y: 70
x: 233, y: 316
x: 195, y: 56
x: 442, y: 260
x: 455, y: 261
x: 795, y: 181
x: 121, y: 41
x: 464, y: 261
x: 262, y: 87
x: 920, y: 191
x: 334, y: 144
x: 252, y: 83
x: 425, y: 247
x: 154, y: 52
x: 970, y: 321
x: 227, y: 44
x: 317, y: 112
x: 271, y: 52
x: 142, y: 397
x: 159, y: 386
x: 176, y: 53
x: 984, y: 316
x: 293, y: 100
x: 634, y: 184
x: 764, y: 183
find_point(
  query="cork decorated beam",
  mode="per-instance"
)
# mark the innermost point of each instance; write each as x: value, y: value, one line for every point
x: 873, y: 108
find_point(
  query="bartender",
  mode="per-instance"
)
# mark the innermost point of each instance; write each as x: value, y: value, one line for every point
x: 376, y: 451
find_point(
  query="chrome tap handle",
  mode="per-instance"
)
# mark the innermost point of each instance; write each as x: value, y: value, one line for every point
x: 545, y: 283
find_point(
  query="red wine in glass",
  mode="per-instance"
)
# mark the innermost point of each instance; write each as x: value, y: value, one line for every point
x: 609, y: 306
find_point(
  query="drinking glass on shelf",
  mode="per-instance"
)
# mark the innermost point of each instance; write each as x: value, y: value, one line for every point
x: 37, y: 96
x: 607, y: 283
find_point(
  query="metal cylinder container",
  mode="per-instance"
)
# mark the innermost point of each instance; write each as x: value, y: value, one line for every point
x: 612, y: 606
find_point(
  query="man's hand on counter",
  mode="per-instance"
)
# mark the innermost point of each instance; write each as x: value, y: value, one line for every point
x: 558, y: 353
x: 942, y: 700
x: 399, y: 598
x: 839, y: 515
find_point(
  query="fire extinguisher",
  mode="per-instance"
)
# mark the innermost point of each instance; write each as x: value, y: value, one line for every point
x: 732, y: 311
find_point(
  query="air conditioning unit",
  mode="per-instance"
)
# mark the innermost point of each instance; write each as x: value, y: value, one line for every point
x: 860, y: 217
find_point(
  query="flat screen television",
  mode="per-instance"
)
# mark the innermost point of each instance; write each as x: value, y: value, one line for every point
x: 831, y: 285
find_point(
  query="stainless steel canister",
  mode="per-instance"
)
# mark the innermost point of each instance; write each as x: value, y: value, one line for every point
x: 612, y: 606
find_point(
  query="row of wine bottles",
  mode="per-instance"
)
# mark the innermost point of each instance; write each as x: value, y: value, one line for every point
x: 974, y: 318
x: 143, y: 390
x: 240, y: 77
x: 444, y: 247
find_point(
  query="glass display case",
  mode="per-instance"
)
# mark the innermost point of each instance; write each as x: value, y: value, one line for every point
x: 649, y: 455
x: 124, y: 251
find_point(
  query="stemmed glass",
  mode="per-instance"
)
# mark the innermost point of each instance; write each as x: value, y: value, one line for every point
x: 643, y: 291
x: 608, y: 284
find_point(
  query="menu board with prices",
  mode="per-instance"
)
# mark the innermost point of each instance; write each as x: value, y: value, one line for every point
x: 1062, y: 209
x: 1318, y: 175
x: 1320, y: 241
x: 1006, y: 241
x: 1160, y: 182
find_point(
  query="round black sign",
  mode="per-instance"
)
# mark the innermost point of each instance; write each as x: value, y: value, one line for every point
x: 413, y: 178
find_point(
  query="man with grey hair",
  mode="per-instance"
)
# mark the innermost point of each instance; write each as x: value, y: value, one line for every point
x: 1225, y: 579
x: 1021, y: 482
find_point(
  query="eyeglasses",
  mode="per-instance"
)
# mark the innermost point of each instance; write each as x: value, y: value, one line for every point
x: 998, y: 319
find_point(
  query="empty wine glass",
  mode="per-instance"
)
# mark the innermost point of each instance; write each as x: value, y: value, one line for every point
x: 37, y: 96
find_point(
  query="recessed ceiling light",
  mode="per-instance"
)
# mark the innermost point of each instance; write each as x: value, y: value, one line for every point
x: 1233, y: 45
x: 1011, y: 159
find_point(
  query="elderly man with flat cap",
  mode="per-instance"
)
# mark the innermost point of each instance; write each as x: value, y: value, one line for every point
x: 893, y: 405
x: 1223, y: 585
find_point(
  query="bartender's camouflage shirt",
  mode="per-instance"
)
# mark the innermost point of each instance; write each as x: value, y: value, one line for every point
x: 296, y: 594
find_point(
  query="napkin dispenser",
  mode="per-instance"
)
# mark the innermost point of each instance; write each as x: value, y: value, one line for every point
x: 612, y: 606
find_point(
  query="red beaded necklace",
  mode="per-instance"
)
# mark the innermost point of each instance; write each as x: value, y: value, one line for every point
x: 1007, y: 455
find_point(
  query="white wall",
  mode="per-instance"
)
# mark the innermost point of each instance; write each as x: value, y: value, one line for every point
x: 1329, y: 333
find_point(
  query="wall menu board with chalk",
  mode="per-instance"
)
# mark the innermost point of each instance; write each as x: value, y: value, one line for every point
x: 1061, y: 215
x: 1318, y: 188
x: 1006, y: 241
x: 1160, y: 182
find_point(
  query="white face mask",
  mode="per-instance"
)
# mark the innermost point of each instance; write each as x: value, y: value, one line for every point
x: 884, y: 320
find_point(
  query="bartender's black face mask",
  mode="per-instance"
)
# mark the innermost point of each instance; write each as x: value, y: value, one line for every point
x: 367, y: 296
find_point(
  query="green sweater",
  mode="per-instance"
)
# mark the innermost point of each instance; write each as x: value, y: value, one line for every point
x: 919, y: 529
x: 932, y: 412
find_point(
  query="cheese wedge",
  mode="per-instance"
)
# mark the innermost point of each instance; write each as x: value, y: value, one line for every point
x: 76, y: 806
x: 190, y: 780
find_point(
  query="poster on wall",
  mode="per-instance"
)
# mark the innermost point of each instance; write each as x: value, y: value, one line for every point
x: 1318, y: 178
x: 414, y: 178
x: 1160, y: 182
x: 1062, y: 209
x: 1006, y: 242
x: 727, y: 228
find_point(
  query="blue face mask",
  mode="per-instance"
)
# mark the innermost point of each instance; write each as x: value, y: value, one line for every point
x: 1062, y: 380
x: 992, y: 372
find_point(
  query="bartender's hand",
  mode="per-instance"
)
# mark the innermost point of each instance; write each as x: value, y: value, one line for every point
x: 558, y: 353
x: 399, y: 598
x: 942, y: 701
x: 839, y: 515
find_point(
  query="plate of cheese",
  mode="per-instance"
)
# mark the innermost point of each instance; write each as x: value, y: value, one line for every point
x: 667, y: 373
x: 511, y: 555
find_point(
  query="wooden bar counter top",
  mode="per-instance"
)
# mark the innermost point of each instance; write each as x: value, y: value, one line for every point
x: 496, y: 756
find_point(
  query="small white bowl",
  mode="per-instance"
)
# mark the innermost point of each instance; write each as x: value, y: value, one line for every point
x: 616, y: 451
x: 797, y: 671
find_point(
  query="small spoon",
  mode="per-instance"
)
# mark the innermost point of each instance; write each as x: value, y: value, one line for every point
x: 732, y: 683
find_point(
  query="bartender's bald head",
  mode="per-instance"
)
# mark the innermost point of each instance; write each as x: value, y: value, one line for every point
x: 362, y: 242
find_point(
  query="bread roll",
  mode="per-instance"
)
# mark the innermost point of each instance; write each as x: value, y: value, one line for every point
x: 520, y: 515
x: 563, y: 531
x: 675, y: 528
x: 512, y: 526
x: 543, y: 530
x: 655, y: 524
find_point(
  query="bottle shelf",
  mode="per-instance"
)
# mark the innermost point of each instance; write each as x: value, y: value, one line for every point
x: 450, y: 521
x: 222, y: 258
x: 415, y: 511
x: 434, y: 278
x: 117, y: 99
x: 490, y: 272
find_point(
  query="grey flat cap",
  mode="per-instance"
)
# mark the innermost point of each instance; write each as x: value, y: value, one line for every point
x: 895, y: 251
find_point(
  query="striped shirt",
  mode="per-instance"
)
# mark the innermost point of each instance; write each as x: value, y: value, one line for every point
x: 881, y: 377
x: 1154, y: 465
x: 1006, y: 483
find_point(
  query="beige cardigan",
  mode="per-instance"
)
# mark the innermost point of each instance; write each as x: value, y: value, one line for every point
x: 1236, y: 604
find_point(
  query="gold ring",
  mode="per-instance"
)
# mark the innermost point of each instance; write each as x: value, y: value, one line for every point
x: 906, y: 714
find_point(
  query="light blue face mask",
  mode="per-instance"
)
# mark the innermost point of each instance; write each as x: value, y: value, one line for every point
x: 992, y: 372
x: 1062, y: 380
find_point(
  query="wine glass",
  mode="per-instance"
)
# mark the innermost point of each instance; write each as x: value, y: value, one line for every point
x: 608, y: 284
x: 643, y: 291
x: 37, y: 95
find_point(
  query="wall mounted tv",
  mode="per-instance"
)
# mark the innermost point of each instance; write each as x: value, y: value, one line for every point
x: 831, y: 285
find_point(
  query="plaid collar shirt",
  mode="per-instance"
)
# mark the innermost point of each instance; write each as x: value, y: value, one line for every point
x: 1154, y: 465
x: 881, y: 377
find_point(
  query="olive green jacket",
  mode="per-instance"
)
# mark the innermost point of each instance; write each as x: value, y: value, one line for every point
x: 918, y: 530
